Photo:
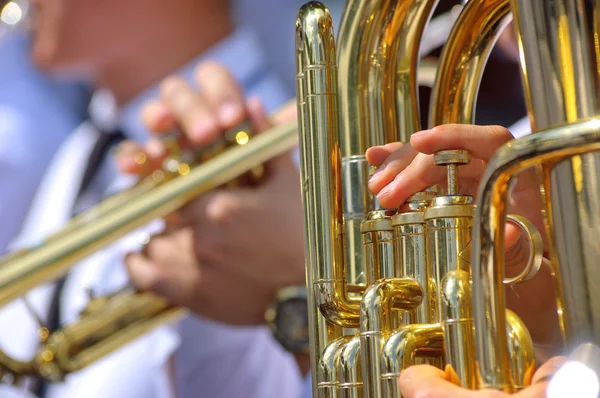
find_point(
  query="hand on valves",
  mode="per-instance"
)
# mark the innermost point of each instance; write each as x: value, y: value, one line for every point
x: 408, y: 168
x: 423, y: 381
x: 225, y: 254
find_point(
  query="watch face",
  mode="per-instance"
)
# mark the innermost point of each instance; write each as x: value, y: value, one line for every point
x: 291, y: 324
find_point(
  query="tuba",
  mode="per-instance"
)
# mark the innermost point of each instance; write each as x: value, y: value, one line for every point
x: 424, y: 283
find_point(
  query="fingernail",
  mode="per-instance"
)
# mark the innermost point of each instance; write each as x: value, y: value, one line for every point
x: 384, y: 192
x: 421, y: 133
x: 203, y: 129
x: 375, y: 176
x: 229, y: 113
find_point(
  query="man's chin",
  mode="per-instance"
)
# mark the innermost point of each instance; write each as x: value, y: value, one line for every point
x: 60, y: 68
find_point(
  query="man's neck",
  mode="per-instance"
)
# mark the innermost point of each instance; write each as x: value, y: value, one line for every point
x: 162, y: 52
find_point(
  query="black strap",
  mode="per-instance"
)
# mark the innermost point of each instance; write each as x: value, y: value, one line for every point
x: 99, y: 153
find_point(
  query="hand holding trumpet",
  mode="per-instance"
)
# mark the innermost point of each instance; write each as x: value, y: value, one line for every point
x: 213, y: 256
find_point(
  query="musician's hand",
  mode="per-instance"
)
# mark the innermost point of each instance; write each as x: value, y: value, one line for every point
x: 422, y: 381
x: 200, y: 115
x: 409, y: 168
x: 225, y: 254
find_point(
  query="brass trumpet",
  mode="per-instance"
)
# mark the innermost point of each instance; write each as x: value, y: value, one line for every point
x: 425, y: 282
x: 109, y: 322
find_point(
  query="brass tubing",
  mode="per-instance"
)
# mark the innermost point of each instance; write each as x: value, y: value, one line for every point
x: 459, y: 341
x: 379, y: 300
x: 403, y: 347
x: 119, y: 320
x: 327, y: 371
x: 316, y: 42
x: 488, y: 256
x: 560, y: 56
x: 463, y: 60
x: 321, y: 165
x: 354, y: 141
x: 450, y: 221
x: 350, y: 370
x: 21, y: 273
x: 393, y: 62
x: 412, y: 257
x: 522, y: 352
x: 378, y: 240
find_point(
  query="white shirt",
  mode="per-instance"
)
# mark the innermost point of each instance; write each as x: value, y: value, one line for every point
x: 211, y: 360
x: 36, y: 115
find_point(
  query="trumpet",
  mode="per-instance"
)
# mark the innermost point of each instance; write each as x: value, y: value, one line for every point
x: 424, y: 283
x: 109, y: 322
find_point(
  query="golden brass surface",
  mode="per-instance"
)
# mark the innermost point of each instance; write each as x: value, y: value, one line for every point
x: 440, y: 253
x: 110, y: 322
x: 561, y: 73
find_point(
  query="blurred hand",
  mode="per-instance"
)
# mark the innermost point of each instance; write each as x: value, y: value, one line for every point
x: 225, y: 254
x: 423, y: 381
x: 405, y: 169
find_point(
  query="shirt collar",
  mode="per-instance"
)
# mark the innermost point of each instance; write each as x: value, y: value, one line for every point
x: 240, y: 53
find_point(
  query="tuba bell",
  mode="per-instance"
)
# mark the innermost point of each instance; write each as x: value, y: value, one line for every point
x: 424, y: 283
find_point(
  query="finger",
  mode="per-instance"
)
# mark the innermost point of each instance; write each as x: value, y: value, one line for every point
x: 427, y: 381
x: 421, y: 174
x: 533, y: 391
x: 194, y: 113
x: 395, y: 164
x: 214, y: 208
x: 222, y: 92
x: 257, y: 115
x: 288, y: 112
x: 481, y: 141
x: 144, y: 274
x: 548, y: 369
x: 378, y: 154
x: 157, y: 118
x: 131, y: 158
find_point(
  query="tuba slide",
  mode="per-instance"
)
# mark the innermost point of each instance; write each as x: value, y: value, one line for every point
x: 424, y: 283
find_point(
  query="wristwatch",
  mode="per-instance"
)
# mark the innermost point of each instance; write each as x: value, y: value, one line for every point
x: 287, y: 318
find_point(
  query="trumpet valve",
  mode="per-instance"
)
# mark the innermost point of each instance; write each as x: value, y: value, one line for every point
x: 452, y: 159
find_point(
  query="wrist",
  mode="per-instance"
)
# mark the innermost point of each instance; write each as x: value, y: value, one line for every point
x: 287, y: 318
x: 303, y: 361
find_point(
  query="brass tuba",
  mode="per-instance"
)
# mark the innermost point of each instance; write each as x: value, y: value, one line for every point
x: 426, y: 282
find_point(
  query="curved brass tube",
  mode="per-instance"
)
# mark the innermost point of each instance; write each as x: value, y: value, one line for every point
x: 403, y: 347
x: 490, y: 318
x: 391, y: 90
x: 350, y: 370
x: 463, y: 60
x: 561, y: 72
x: 108, y: 324
x: 456, y: 301
x: 327, y: 371
x: 379, y: 300
x: 358, y: 202
x: 522, y: 352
